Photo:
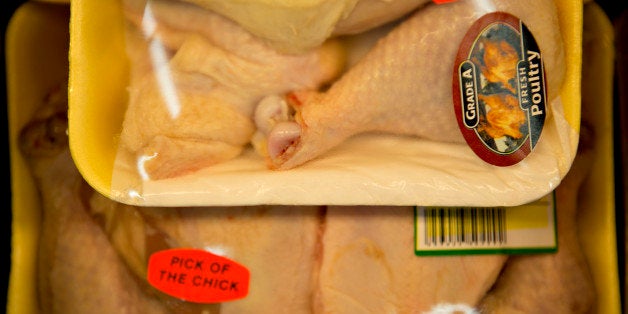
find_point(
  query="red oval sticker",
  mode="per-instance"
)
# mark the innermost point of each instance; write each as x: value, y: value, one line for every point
x: 197, y: 276
x: 499, y: 91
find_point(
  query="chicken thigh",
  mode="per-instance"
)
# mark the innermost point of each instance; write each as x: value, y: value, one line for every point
x: 560, y: 282
x: 195, y: 80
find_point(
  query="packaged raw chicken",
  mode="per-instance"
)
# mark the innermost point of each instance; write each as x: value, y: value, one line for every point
x: 95, y: 255
x: 78, y: 251
x: 357, y: 102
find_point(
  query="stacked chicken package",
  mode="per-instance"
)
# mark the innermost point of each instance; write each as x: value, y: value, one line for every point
x: 310, y: 156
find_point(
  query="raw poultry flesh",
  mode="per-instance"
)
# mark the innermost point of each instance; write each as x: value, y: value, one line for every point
x: 74, y: 252
x: 90, y: 241
x: 403, y: 84
x: 307, y: 259
x: 204, y: 85
x: 300, y: 25
x: 195, y: 80
x: 570, y: 287
x: 369, y: 266
x: 278, y: 244
x: 302, y: 259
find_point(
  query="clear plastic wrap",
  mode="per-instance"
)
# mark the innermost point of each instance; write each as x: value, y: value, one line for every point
x: 200, y: 109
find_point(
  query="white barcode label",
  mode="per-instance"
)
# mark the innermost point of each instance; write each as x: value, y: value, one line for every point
x: 447, y: 230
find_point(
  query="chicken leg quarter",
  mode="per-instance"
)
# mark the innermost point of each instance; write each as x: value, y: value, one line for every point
x: 403, y: 84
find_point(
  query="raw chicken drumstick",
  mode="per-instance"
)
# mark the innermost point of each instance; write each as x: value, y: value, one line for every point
x: 403, y: 85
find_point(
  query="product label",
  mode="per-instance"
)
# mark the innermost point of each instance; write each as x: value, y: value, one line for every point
x: 197, y: 276
x: 499, y: 91
x: 467, y: 230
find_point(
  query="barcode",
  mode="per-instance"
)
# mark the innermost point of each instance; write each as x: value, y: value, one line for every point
x: 481, y: 226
